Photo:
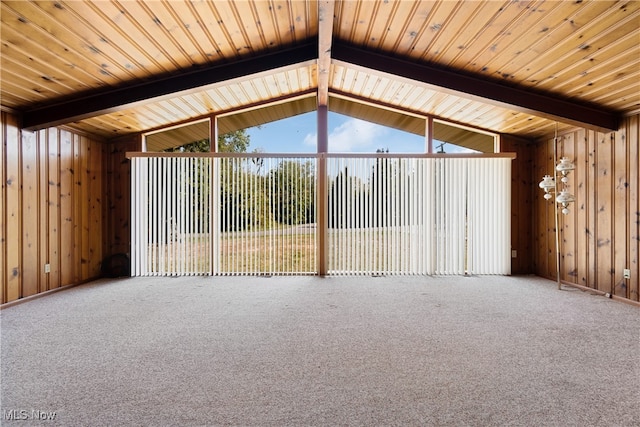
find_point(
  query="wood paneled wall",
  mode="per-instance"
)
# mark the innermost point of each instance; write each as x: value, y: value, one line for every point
x: 118, y: 194
x: 522, y: 182
x: 600, y: 237
x: 51, y: 209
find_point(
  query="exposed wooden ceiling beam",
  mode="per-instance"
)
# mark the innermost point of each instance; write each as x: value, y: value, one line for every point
x: 522, y: 100
x: 122, y: 98
x: 325, y: 35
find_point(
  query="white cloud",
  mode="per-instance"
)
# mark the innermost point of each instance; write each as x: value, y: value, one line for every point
x: 356, y: 135
x: 311, y: 139
x: 353, y: 136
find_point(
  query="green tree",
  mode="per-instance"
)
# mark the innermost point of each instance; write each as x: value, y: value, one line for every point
x: 241, y: 207
x: 293, y: 201
x: 232, y: 142
x: 201, y: 146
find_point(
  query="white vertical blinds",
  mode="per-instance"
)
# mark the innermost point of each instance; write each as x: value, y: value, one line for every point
x: 171, y: 216
x: 386, y: 215
x: 444, y: 216
x: 267, y: 215
x: 489, y: 216
x: 450, y: 215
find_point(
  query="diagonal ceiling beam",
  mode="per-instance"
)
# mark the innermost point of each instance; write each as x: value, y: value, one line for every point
x: 483, y: 90
x: 325, y: 35
x: 125, y: 97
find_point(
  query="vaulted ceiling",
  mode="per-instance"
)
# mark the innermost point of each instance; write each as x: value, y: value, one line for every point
x: 117, y: 67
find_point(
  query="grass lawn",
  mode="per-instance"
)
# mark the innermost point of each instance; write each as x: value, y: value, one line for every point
x: 285, y: 251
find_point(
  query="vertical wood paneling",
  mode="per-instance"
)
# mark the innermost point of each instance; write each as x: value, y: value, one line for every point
x: 50, y: 207
x: 541, y: 222
x: 83, y: 205
x: 633, y: 212
x: 522, y: 184
x: 567, y: 222
x: 77, y: 211
x: 53, y: 230
x: 591, y: 212
x: 29, y: 213
x: 95, y: 191
x: 3, y: 211
x: 604, y: 205
x: 67, y: 270
x: 118, y: 204
x: 619, y: 206
x: 43, y: 208
x: 582, y: 193
x: 548, y: 215
x: 13, y: 215
x: 602, y: 232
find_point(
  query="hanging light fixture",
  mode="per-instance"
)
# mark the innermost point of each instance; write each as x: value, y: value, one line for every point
x: 564, y: 198
x: 549, y: 183
x: 564, y: 167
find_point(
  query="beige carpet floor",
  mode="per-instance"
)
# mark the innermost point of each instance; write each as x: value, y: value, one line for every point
x: 308, y: 351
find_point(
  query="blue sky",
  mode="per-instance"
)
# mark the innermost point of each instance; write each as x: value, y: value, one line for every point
x: 346, y: 135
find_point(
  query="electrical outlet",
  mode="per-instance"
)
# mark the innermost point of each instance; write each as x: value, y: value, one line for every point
x: 627, y: 273
x: 514, y: 254
x: 47, y: 268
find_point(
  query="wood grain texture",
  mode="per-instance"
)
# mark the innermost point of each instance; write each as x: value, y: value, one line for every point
x: 53, y: 228
x: 600, y: 238
x: 95, y: 194
x: 118, y: 195
x: 67, y: 272
x: 29, y: 213
x: 82, y: 205
x: 633, y: 206
x: 567, y: 233
x: 43, y: 207
x: 547, y: 212
x: 52, y: 186
x: 582, y: 192
x: 3, y: 210
x: 620, y: 177
x: 604, y: 212
x: 11, y: 157
x: 591, y: 212
x: 522, y: 183
x: 585, y: 51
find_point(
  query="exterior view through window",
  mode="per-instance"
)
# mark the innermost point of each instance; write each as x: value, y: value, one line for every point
x: 252, y: 208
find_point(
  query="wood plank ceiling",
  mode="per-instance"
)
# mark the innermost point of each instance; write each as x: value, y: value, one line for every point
x: 117, y: 67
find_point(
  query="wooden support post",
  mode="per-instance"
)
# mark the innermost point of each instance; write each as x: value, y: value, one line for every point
x: 429, y: 135
x: 214, y: 199
x: 321, y: 197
